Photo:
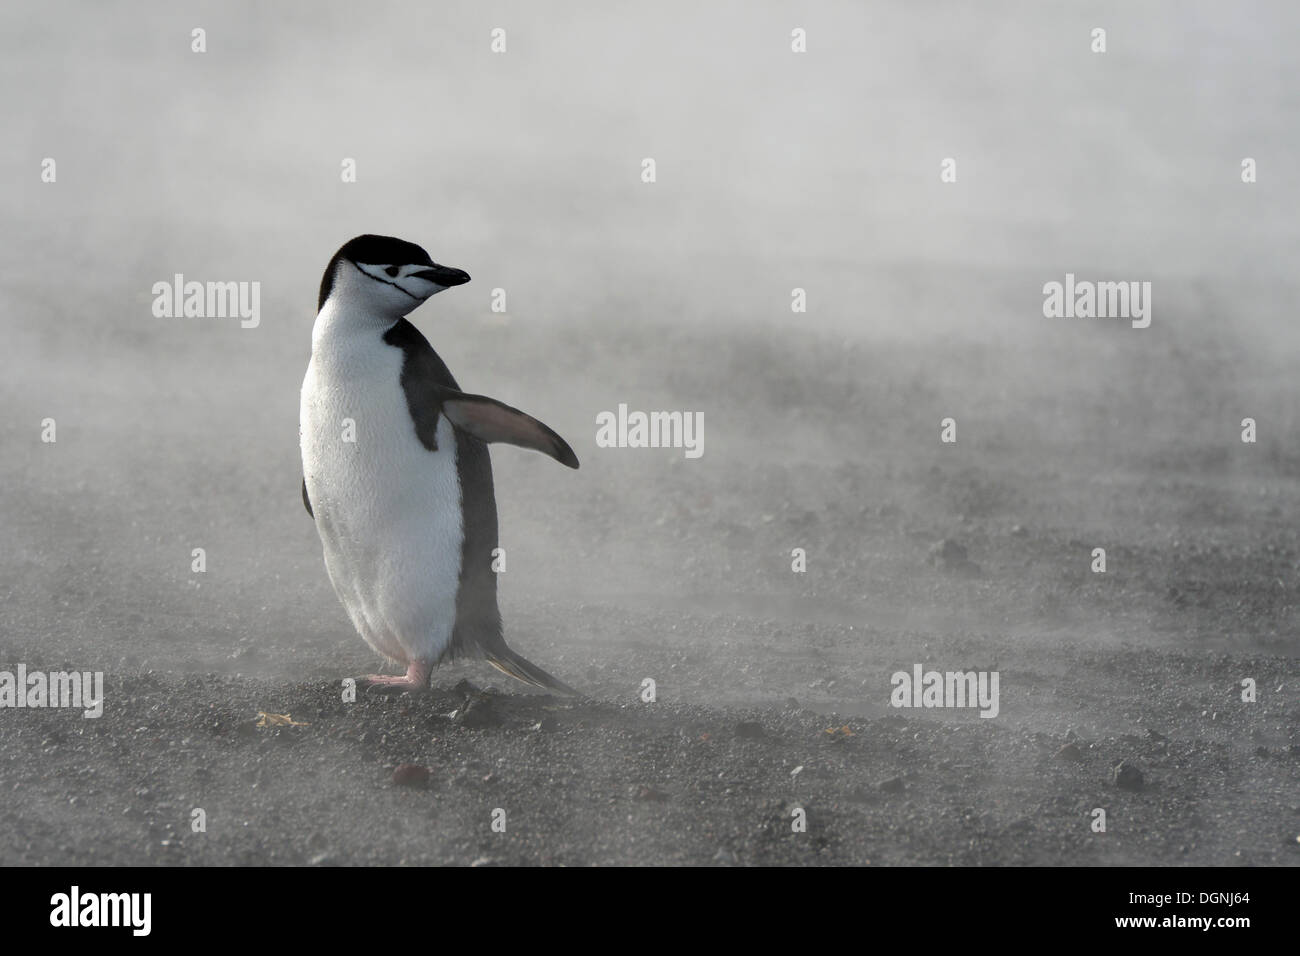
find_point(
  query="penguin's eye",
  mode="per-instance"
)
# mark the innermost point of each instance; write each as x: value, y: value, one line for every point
x: 392, y: 272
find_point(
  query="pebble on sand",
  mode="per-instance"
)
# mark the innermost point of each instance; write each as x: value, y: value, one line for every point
x: 411, y: 775
x: 893, y: 785
x: 1126, y: 776
x: 1070, y: 752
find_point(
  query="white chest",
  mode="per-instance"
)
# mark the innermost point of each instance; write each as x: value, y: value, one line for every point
x: 387, y: 509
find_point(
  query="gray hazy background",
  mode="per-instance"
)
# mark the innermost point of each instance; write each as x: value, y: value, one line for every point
x: 775, y: 170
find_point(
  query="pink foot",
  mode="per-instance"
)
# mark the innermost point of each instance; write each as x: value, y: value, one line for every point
x: 416, y: 678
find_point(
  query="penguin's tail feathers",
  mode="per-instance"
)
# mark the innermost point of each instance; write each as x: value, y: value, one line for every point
x: 508, y: 662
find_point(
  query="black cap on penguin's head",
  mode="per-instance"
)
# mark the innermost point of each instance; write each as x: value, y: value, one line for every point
x: 388, y: 275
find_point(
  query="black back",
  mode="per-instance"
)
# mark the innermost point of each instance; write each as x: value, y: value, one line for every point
x: 478, y: 618
x: 373, y: 250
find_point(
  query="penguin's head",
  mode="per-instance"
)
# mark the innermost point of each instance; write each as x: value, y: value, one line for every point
x: 384, y: 275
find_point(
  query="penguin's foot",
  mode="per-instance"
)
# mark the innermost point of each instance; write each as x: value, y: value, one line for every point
x: 416, y: 678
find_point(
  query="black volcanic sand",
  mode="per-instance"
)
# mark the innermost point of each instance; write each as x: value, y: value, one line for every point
x: 614, y: 781
x: 773, y: 687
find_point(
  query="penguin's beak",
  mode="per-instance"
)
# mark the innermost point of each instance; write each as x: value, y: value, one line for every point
x: 443, y: 275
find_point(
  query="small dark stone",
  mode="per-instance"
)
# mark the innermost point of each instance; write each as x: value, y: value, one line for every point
x: 749, y: 729
x: 651, y: 795
x: 950, y: 556
x: 947, y: 551
x: 1070, y: 752
x: 1126, y: 776
x: 480, y: 713
x: 411, y: 775
x: 893, y: 785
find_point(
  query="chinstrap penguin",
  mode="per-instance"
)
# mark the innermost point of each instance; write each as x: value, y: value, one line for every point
x: 396, y: 472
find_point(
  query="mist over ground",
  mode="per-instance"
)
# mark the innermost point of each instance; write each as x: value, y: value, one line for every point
x: 775, y: 171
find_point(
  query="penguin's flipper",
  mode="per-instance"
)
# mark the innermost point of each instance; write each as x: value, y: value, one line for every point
x: 491, y: 421
x: 508, y: 662
x: 305, y: 500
